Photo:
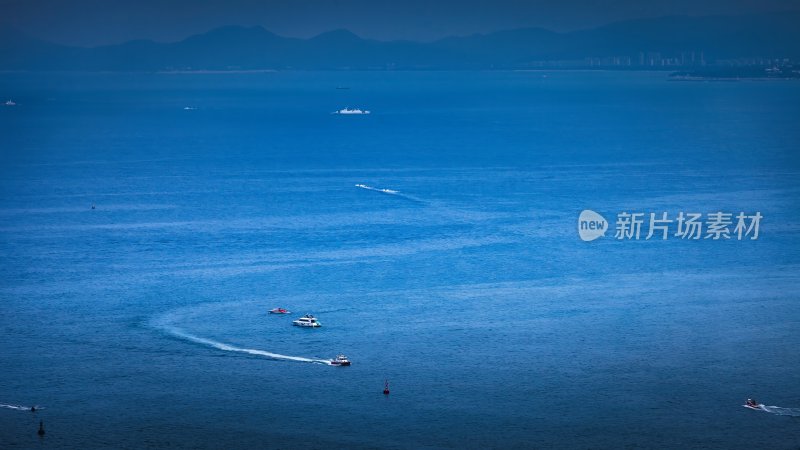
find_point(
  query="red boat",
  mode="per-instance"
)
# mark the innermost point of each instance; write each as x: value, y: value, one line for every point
x: 279, y: 311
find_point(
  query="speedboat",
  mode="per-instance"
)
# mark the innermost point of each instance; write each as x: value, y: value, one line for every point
x: 351, y: 111
x: 278, y: 311
x: 340, y: 360
x: 307, y: 321
x: 752, y: 404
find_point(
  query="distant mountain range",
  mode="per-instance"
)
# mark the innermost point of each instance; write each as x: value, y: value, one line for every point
x: 646, y: 43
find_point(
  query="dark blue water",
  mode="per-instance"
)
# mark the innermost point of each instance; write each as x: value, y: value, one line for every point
x: 143, y: 322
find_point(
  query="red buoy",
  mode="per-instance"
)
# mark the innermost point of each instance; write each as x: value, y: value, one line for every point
x: 386, y: 388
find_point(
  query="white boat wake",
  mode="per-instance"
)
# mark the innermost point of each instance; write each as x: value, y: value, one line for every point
x: 792, y: 412
x: 388, y: 192
x: 777, y: 410
x: 167, y: 327
x: 20, y: 407
x: 370, y: 188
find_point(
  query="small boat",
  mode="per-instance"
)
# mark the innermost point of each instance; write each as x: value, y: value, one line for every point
x: 307, y: 321
x: 340, y: 360
x: 752, y: 404
x: 189, y: 108
x: 348, y: 111
x: 10, y: 103
x: 279, y: 311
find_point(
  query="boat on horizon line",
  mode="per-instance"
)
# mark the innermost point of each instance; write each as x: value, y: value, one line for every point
x: 348, y: 111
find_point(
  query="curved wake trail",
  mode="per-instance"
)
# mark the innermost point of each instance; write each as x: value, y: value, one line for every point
x: 792, y: 412
x: 18, y: 407
x: 389, y: 192
x: 177, y: 332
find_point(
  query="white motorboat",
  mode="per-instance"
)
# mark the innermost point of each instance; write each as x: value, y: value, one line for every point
x: 340, y: 360
x: 307, y: 321
x: 348, y: 111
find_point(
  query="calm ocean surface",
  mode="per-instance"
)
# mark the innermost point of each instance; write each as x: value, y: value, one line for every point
x: 143, y: 322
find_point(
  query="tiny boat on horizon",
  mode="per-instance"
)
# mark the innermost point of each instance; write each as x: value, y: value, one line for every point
x: 307, y: 321
x: 279, y: 311
x: 10, y: 103
x: 340, y: 360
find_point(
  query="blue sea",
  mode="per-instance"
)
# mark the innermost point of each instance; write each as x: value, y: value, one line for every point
x: 143, y: 322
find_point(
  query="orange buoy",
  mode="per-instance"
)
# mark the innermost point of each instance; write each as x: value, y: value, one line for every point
x: 386, y: 388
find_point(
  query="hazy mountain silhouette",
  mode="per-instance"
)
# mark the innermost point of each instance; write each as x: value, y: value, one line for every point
x: 234, y: 47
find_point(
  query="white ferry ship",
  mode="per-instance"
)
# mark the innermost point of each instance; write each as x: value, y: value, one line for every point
x: 349, y: 111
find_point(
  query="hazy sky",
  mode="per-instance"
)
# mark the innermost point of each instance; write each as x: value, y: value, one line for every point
x: 94, y: 22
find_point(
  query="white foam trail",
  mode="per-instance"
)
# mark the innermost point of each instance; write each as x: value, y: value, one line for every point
x: 18, y: 407
x: 177, y: 332
x: 793, y: 412
x: 388, y: 192
x: 370, y: 188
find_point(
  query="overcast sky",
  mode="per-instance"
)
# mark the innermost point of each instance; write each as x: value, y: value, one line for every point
x: 96, y: 22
